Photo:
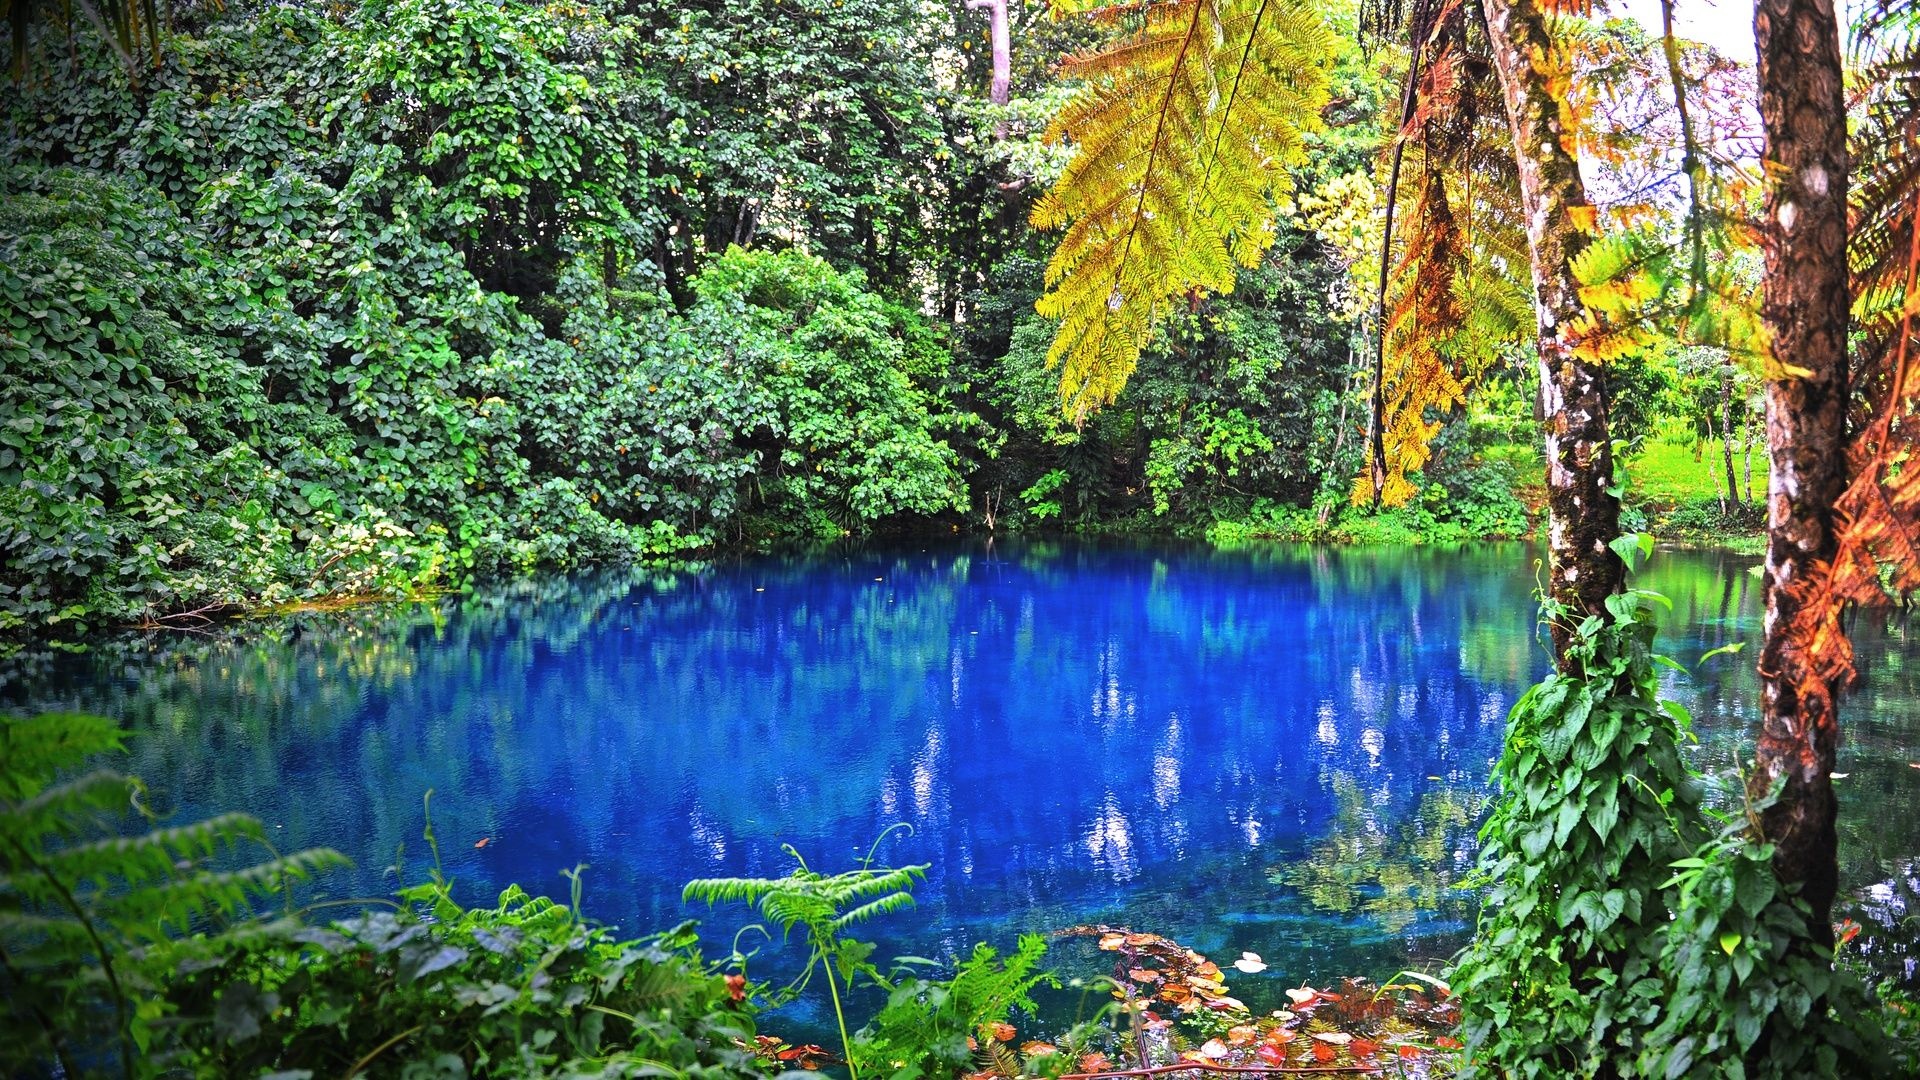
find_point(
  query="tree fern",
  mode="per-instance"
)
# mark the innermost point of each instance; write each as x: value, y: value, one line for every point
x: 1879, y: 549
x: 1182, y: 134
x: 1457, y: 290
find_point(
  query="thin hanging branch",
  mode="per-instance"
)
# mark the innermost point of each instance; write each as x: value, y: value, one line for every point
x: 1376, y: 420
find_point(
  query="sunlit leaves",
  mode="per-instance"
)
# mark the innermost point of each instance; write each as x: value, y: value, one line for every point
x: 1181, y: 138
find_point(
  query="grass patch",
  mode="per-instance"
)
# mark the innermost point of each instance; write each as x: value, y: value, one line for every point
x: 1665, y: 471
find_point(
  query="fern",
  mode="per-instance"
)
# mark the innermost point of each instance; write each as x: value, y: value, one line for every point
x: 1182, y: 134
x: 1879, y: 550
x: 77, y: 896
x: 929, y: 1028
x: 1458, y: 290
x: 824, y: 905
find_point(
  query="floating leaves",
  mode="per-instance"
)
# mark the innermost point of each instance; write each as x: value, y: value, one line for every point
x: 777, y: 1051
x: 1187, y: 1017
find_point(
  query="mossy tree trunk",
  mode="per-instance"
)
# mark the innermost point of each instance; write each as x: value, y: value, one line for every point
x: 1583, y: 518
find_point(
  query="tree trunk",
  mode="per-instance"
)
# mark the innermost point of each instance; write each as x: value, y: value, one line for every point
x: 1583, y: 517
x: 1002, y: 40
x: 1803, y: 113
x: 1726, y: 437
x: 1746, y: 449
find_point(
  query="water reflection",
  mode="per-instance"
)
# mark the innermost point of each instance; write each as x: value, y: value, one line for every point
x: 1282, y: 749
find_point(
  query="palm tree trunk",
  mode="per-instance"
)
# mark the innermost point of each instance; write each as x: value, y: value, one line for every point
x: 1803, y: 113
x: 1583, y: 517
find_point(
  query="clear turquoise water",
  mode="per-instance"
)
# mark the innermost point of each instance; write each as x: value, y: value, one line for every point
x: 1281, y: 749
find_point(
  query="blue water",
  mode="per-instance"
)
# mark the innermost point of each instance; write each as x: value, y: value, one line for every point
x: 1281, y: 750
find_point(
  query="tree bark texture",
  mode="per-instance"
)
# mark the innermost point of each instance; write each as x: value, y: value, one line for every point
x: 1583, y: 518
x: 1803, y: 113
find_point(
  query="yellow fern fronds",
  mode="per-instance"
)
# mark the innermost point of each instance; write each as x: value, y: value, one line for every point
x: 1424, y: 331
x: 1182, y: 133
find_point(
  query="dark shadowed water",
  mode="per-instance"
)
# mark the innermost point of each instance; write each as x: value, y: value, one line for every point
x: 1281, y: 749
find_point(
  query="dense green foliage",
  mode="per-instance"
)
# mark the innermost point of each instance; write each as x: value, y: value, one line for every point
x: 386, y: 296
x: 1618, y: 937
x: 524, y: 988
x: 370, y: 299
x: 932, y: 1028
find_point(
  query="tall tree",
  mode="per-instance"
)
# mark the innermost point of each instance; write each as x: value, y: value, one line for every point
x: 1584, y: 514
x: 1805, y: 658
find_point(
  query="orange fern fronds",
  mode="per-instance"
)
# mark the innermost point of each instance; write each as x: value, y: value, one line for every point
x: 1879, y: 513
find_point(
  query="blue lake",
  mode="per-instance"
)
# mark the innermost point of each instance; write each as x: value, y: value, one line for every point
x: 1280, y: 749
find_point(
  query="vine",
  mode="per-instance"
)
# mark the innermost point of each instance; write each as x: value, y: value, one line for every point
x: 1623, y: 935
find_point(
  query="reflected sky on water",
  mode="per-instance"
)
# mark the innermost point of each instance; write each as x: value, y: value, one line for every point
x: 1279, y: 749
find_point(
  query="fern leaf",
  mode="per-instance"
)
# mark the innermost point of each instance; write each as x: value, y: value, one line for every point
x: 69, y: 808
x: 885, y: 905
x: 34, y: 748
x: 1181, y: 135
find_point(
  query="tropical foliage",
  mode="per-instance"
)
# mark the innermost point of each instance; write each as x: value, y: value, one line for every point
x: 1181, y: 140
x: 302, y: 303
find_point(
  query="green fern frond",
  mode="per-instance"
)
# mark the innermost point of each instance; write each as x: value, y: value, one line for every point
x: 35, y: 748
x: 69, y: 808
x: 152, y: 856
x: 153, y: 913
x: 1182, y: 133
x: 885, y: 905
x: 77, y: 897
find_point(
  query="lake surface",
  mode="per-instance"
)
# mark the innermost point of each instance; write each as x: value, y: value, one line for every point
x: 1279, y: 749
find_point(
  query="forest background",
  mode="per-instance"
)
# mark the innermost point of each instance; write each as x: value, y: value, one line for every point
x: 326, y: 300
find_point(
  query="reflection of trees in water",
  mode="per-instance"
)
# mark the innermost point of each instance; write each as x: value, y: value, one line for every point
x: 1394, y: 871
x: 606, y: 717
x: 1717, y: 602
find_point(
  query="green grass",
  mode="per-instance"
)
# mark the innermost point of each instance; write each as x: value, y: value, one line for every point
x: 1670, y: 492
x: 1665, y: 472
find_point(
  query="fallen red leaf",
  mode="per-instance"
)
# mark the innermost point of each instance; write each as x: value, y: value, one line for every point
x: 1270, y: 1054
